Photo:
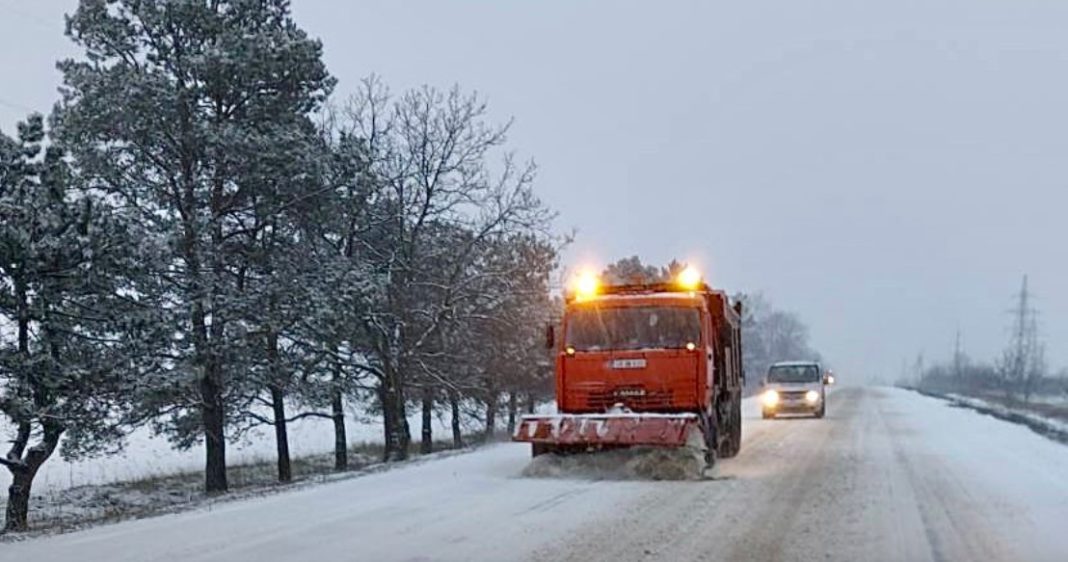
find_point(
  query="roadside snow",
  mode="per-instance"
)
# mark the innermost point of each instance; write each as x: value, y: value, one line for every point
x: 150, y: 456
x: 1038, y: 422
x: 467, y: 507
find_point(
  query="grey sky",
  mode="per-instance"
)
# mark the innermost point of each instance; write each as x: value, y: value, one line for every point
x: 887, y: 170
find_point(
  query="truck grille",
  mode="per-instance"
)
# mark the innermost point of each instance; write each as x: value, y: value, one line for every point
x: 648, y: 401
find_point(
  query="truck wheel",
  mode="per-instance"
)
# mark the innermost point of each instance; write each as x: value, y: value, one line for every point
x: 538, y: 449
x: 735, y: 435
x: 712, y: 443
x: 767, y: 415
x: 823, y: 410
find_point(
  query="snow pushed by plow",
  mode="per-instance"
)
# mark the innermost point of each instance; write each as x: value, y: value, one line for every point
x: 637, y: 463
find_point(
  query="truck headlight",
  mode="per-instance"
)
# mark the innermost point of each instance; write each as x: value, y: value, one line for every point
x: 771, y: 398
x: 812, y: 397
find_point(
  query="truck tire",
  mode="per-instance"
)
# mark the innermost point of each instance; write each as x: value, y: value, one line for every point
x: 708, y: 427
x: 734, y: 441
x: 767, y: 415
x: 822, y: 411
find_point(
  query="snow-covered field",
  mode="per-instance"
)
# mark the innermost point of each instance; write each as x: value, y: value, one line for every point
x: 888, y: 475
x: 147, y: 456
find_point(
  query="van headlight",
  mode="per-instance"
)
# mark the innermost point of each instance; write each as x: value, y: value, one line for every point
x: 812, y: 397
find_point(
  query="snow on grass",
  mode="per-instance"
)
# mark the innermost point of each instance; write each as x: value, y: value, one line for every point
x: 148, y: 456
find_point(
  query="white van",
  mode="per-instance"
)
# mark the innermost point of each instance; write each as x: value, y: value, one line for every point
x: 795, y: 387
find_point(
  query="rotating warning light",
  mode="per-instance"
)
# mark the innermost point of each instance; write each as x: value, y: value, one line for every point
x: 587, y: 285
x: 689, y: 278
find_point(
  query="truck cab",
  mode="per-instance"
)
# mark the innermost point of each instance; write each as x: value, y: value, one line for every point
x: 648, y: 364
x: 795, y: 387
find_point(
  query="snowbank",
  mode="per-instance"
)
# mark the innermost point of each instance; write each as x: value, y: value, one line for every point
x: 1050, y: 427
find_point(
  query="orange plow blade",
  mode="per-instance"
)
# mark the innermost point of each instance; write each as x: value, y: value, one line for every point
x: 614, y: 430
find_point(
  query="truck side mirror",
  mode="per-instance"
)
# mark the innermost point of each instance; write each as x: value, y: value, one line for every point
x: 550, y: 336
x: 828, y: 379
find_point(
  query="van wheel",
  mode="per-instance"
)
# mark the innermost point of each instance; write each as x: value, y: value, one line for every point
x: 820, y: 413
x: 767, y: 415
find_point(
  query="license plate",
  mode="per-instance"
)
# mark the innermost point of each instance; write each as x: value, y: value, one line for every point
x: 629, y: 392
x: 628, y: 364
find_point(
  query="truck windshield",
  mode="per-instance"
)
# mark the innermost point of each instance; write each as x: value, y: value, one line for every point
x: 793, y: 373
x: 665, y: 327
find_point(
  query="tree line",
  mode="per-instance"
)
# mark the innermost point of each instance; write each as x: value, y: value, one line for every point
x: 201, y: 238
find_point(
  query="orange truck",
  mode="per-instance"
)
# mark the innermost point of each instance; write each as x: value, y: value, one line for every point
x: 655, y: 364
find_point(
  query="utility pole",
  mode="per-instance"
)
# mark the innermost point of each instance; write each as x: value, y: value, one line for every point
x: 920, y: 374
x: 958, y: 360
x: 1023, y: 361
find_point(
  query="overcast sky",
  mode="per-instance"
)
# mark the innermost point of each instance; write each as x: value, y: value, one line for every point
x: 887, y: 170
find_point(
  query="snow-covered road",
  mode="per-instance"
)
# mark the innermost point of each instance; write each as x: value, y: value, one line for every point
x: 888, y: 475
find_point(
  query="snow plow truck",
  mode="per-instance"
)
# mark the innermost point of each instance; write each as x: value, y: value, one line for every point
x: 651, y: 364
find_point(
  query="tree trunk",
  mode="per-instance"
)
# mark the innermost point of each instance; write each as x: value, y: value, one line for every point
x: 457, y: 432
x: 214, y: 420
x: 18, y: 502
x: 400, y: 426
x: 278, y: 405
x: 530, y: 404
x: 491, y: 416
x: 212, y: 415
x: 395, y: 422
x: 281, y: 434
x: 427, y: 444
x: 341, y: 442
x: 404, y: 432
x: 388, y: 434
x: 513, y: 409
x: 22, y: 475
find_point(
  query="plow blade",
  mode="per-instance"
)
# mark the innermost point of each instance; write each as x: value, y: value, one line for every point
x: 609, y: 430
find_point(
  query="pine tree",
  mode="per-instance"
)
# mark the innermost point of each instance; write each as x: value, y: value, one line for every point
x: 173, y: 110
x: 67, y: 262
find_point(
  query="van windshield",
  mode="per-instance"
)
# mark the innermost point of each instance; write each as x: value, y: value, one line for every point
x: 646, y: 327
x: 793, y: 373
